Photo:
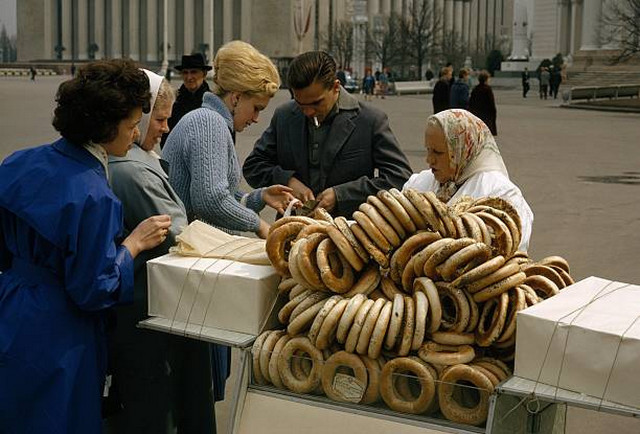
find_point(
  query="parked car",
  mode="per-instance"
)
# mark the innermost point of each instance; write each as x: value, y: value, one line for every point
x: 351, y: 85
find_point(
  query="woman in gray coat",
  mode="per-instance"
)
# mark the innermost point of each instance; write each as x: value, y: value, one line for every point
x: 162, y: 381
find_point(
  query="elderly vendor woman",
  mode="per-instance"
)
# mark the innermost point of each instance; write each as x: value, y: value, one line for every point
x: 464, y: 160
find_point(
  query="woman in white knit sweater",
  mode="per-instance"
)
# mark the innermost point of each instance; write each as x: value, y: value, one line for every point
x: 204, y: 168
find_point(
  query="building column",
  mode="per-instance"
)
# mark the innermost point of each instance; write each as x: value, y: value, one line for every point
x: 98, y: 28
x: 385, y: 7
x: 82, y: 25
x: 576, y: 6
x: 49, y: 30
x: 439, y: 20
x: 227, y: 26
x: 66, y: 29
x: 245, y: 26
x: 152, y: 31
x: 116, y: 29
x: 457, y: 17
x: 134, y: 30
x: 187, y: 27
x: 612, y: 41
x: 466, y: 24
x: 591, y: 11
x: 448, y: 16
x: 208, y: 29
x: 396, y: 7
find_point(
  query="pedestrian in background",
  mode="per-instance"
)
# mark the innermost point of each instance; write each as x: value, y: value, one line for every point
x: 544, y: 82
x: 525, y: 82
x: 442, y: 92
x: 460, y: 90
x: 368, y: 84
x: 64, y: 258
x: 482, y: 102
x: 194, y: 73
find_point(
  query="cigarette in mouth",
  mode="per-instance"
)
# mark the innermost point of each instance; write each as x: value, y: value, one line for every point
x: 315, y: 122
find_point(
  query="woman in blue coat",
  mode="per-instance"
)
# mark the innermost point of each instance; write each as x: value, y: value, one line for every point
x: 63, y: 258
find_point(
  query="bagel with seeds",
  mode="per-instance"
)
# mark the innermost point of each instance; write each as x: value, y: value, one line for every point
x: 388, y: 216
x: 415, y: 215
x: 278, y: 245
x: 342, y: 224
x: 378, y: 255
x: 401, y: 214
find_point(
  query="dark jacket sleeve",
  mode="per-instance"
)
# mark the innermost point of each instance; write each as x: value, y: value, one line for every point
x: 391, y: 163
x: 261, y: 168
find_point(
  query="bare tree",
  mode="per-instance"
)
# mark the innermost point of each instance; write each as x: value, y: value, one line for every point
x: 420, y: 28
x: 620, y: 25
x: 454, y: 50
x: 385, y: 41
x: 341, y: 43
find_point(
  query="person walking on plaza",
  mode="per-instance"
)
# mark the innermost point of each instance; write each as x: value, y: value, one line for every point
x: 64, y: 258
x: 555, y: 79
x: 442, y: 92
x: 32, y: 72
x: 544, y: 82
x: 368, y: 84
x: 326, y: 145
x: 460, y: 90
x: 482, y: 102
x: 162, y: 382
x: 194, y: 73
x: 525, y: 82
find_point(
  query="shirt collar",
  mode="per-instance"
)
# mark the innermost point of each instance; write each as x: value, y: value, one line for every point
x: 100, y: 154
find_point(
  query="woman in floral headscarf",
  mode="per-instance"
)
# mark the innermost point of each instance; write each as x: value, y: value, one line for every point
x: 464, y: 160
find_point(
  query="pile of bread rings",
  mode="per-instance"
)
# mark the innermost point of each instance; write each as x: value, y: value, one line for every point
x: 411, y: 303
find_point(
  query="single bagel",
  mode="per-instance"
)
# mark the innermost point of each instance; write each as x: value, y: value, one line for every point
x: 442, y: 212
x: 500, y: 287
x: 447, y: 355
x: 379, y: 331
x: 372, y: 394
x: 367, y: 283
x: 274, y: 375
x: 256, y: 352
x: 421, y: 303
x: 378, y: 255
x: 338, y: 281
x: 286, y: 285
x: 453, y: 338
x: 501, y: 239
x: 517, y: 302
x: 369, y: 324
x: 391, y: 396
x: 454, y: 411
x: 546, y: 271
x: 356, y: 328
x: 388, y: 216
x: 322, y: 214
x: 345, y: 248
x: 457, y: 320
x: 398, y: 211
x: 349, y: 314
x: 266, y: 352
x: 544, y: 287
x: 443, y: 253
x: 327, y: 332
x: 514, y: 229
x: 464, y: 260
x: 426, y: 210
x: 307, y: 261
x: 408, y: 327
x: 427, y: 286
x: 557, y: 261
x: 287, y: 309
x: 395, y: 323
x: 423, y: 255
x: 337, y: 390
x: 411, y: 245
x: 415, y: 215
x: 314, y: 228
x: 501, y: 204
x: 495, y: 310
x: 372, y: 231
x: 292, y: 219
x: 479, y: 272
x: 320, y: 317
x: 343, y: 225
x: 278, y: 244
x: 292, y: 383
x: 496, y: 276
x: 472, y: 227
x: 305, y: 319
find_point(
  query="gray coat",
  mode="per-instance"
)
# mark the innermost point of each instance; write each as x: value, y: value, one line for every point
x: 155, y: 372
x: 359, y: 142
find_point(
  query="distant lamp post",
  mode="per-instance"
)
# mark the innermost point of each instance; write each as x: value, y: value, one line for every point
x: 301, y: 21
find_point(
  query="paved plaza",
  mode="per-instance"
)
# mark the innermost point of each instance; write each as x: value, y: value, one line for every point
x: 579, y: 170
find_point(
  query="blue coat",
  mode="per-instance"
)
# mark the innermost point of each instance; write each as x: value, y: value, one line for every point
x: 61, y: 269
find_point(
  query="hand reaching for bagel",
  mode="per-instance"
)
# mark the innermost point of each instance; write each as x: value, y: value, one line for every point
x: 300, y: 190
x: 327, y: 199
x: 278, y: 197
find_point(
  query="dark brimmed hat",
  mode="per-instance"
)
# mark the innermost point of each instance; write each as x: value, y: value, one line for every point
x: 193, y: 61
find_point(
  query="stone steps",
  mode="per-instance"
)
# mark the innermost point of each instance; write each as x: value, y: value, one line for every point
x: 602, y: 78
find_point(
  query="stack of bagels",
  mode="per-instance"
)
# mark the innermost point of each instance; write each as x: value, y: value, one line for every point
x: 409, y: 303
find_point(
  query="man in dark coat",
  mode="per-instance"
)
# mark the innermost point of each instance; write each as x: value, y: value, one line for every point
x: 483, y: 104
x: 460, y: 90
x: 194, y: 72
x: 525, y: 82
x: 442, y: 91
x: 325, y: 144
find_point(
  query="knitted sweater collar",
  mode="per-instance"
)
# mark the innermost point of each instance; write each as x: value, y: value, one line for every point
x: 215, y: 103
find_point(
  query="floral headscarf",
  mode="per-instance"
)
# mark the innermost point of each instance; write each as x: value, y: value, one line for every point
x: 472, y: 148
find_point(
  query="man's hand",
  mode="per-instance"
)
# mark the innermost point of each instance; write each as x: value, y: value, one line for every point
x: 327, y: 199
x: 300, y: 191
x: 277, y: 197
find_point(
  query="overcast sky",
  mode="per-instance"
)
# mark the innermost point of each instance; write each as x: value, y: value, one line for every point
x: 8, y: 15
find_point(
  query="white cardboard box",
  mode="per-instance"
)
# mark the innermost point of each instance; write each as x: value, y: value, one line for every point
x: 585, y: 339
x: 212, y: 292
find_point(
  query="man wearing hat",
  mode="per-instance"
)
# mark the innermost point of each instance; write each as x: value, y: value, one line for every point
x: 194, y: 71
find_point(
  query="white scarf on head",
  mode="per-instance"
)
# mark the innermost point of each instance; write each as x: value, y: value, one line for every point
x: 155, y: 81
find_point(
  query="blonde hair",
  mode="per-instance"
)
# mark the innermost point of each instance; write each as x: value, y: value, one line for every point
x: 239, y: 67
x: 166, y: 95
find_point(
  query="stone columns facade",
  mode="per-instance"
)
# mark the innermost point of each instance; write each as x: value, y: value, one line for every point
x: 591, y: 14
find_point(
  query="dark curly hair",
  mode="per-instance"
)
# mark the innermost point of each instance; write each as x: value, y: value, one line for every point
x: 311, y: 66
x: 92, y: 104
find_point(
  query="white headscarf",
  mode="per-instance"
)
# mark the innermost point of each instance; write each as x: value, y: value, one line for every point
x: 155, y: 81
x: 472, y: 148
